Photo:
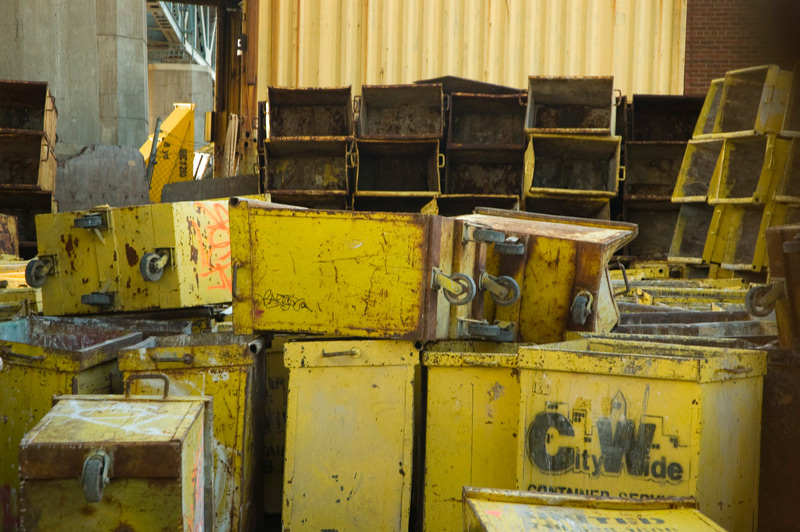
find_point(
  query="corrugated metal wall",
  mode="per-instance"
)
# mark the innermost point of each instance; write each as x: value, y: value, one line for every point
x: 354, y: 42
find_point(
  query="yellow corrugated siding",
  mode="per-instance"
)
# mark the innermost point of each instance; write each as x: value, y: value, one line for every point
x: 353, y: 42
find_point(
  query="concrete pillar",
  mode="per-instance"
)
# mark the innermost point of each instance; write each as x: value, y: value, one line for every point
x: 170, y: 83
x: 122, y: 67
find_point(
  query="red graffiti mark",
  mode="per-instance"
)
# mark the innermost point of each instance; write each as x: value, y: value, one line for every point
x: 494, y: 513
x: 215, y: 244
x: 8, y: 508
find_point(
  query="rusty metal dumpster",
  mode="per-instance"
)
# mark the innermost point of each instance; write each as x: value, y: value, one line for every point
x: 708, y: 114
x: 349, y: 435
x: 571, y: 105
x: 691, y: 232
x: 749, y: 169
x: 42, y: 357
x: 310, y: 113
x: 700, y: 165
x: 27, y: 161
x: 397, y: 112
x: 100, y: 462
x: 471, y: 425
x: 643, y: 420
x: 487, y: 510
x: 162, y: 256
x: 230, y: 369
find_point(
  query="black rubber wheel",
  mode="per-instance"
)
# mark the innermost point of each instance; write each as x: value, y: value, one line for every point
x: 147, y: 267
x: 752, y: 305
x: 580, y: 309
x: 466, y: 295
x: 92, y: 479
x: 36, y: 273
x: 513, y: 291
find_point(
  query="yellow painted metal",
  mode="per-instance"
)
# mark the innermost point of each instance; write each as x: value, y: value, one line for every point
x: 471, y: 426
x: 315, y: 43
x: 158, y: 475
x: 788, y: 189
x: 108, y: 259
x: 708, y: 114
x: 42, y: 357
x: 338, y: 272
x: 487, y: 510
x: 640, y: 420
x: 349, y: 435
x: 230, y: 369
x: 701, y: 163
x: 749, y: 169
x: 21, y: 301
x: 175, y: 150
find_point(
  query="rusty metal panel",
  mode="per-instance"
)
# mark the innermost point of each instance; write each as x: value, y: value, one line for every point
x: 28, y: 106
x: 651, y: 170
x: 788, y: 189
x: 400, y: 112
x: 656, y: 221
x: 660, y: 118
x: 783, y: 248
x: 699, y: 167
x: 487, y: 120
x: 310, y: 112
x: 571, y: 105
x: 315, y: 43
x: 9, y: 238
x: 311, y: 171
x: 710, y: 110
x: 27, y: 161
x: 691, y: 232
x: 749, y: 169
x: 410, y: 202
x: 489, y: 170
x: 459, y: 204
x: 556, y: 205
x: 398, y: 166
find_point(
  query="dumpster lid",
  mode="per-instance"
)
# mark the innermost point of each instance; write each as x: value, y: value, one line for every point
x: 143, y: 435
x: 518, y: 511
x: 644, y: 360
x: 464, y: 353
x: 193, y: 351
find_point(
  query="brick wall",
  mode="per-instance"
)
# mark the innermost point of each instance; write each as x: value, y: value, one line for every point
x: 724, y: 35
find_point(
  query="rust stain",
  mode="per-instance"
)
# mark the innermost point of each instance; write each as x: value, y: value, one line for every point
x: 69, y: 246
x: 130, y: 253
x: 193, y: 253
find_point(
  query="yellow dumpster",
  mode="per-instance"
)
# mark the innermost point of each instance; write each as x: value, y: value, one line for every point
x: 488, y: 510
x: 39, y: 358
x: 349, y: 433
x: 162, y: 256
x: 643, y: 421
x: 471, y: 425
x: 230, y: 369
x: 110, y: 462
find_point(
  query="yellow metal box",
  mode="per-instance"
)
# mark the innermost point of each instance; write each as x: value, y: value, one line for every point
x: 349, y: 435
x: 749, y: 169
x: 471, y: 425
x: 100, y: 463
x: 161, y: 256
x: 230, y: 369
x: 400, y: 112
x: 642, y: 421
x: 28, y: 106
x: 691, y: 231
x: 39, y: 358
x: 310, y: 113
x: 27, y: 161
x: 339, y: 272
x: 708, y: 114
x: 487, y: 510
x: 571, y: 105
x: 700, y: 165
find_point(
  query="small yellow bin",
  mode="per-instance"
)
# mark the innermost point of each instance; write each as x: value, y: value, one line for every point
x: 110, y: 462
x: 471, y: 426
x: 230, y: 369
x: 643, y: 421
x: 40, y: 358
x: 488, y: 510
x: 349, y: 435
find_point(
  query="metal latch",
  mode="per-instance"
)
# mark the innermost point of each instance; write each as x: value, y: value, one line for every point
x: 504, y: 290
x: 152, y: 265
x: 93, y: 220
x: 760, y: 300
x: 95, y: 475
x: 457, y: 288
x: 37, y: 270
x: 354, y: 352
x: 98, y: 299
x: 581, y: 307
x: 498, y: 332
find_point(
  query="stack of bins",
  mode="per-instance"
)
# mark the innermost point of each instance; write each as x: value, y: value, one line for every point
x: 397, y: 147
x: 485, y: 152
x: 309, y: 150
x: 27, y: 159
x: 659, y: 128
x: 41, y: 357
x: 733, y: 171
x: 572, y: 161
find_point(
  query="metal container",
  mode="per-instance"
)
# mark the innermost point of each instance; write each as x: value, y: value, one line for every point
x: 749, y: 169
x: 27, y: 161
x: 400, y: 112
x: 487, y: 510
x: 24, y: 205
x: 663, y: 118
x: 643, y: 420
x: 339, y: 273
x: 300, y: 113
x: 652, y: 169
x: 393, y: 166
x: 276, y: 398
x: 571, y: 105
x: 571, y: 165
x: 39, y: 358
x: 230, y: 369
x: 656, y: 221
x: 408, y: 202
x: 28, y: 106
x: 349, y: 435
x: 19, y: 302
x: 472, y: 414
x: 691, y: 232
x: 486, y: 120
x: 788, y: 189
x: 700, y: 164
x: 577, y: 206
x: 309, y: 171
x: 710, y: 110
x: 484, y: 170
x: 162, y: 256
x: 100, y: 462
x: 458, y: 204
x: 753, y: 100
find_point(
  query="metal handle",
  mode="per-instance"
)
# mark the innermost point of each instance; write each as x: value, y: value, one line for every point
x: 186, y: 359
x: 6, y: 352
x: 446, y: 101
x: 354, y: 352
x: 623, y: 173
x: 625, y: 279
x: 46, y: 149
x: 234, y: 275
x: 441, y: 160
x: 740, y: 370
x: 357, y: 104
x: 618, y: 98
x: 146, y: 376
